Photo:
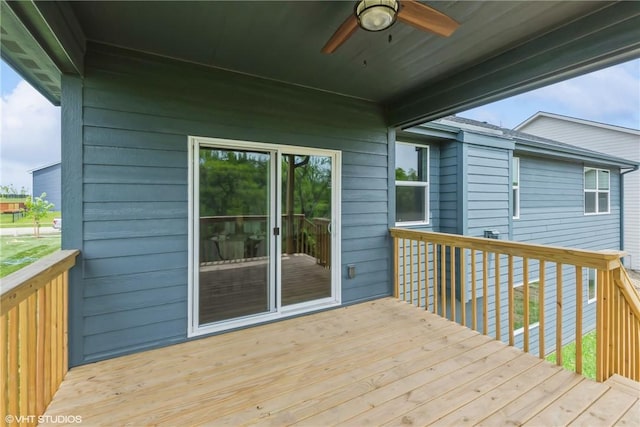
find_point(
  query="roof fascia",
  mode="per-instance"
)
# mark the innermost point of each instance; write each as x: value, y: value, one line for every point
x: 560, y: 117
x: 542, y: 150
x: 50, y: 36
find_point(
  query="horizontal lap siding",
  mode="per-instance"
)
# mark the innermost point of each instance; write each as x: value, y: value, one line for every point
x: 488, y: 188
x: 449, y: 164
x: 138, y: 112
x: 47, y: 180
x: 620, y: 143
x: 552, y: 213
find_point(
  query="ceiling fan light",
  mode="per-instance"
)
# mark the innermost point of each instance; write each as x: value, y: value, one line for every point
x: 376, y: 15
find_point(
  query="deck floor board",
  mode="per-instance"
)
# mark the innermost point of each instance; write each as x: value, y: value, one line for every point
x: 375, y: 363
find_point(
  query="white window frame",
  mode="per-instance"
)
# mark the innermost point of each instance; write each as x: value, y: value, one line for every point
x: 279, y: 311
x: 424, y: 184
x: 596, y: 191
x: 532, y: 325
x: 516, y: 212
x: 595, y: 285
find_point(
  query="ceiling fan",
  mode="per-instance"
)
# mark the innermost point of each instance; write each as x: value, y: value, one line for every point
x: 378, y: 15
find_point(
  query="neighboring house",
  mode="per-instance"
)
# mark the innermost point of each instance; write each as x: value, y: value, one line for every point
x: 184, y: 150
x: 614, y: 140
x: 47, y: 179
x: 485, y: 181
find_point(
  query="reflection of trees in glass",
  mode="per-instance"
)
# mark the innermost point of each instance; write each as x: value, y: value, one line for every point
x: 410, y: 175
x: 233, y: 183
x: 312, y: 185
x: 409, y: 204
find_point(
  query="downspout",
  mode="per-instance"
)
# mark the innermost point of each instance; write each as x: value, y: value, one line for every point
x: 622, y: 174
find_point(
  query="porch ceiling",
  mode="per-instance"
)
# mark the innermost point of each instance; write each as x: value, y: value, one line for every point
x: 501, y: 47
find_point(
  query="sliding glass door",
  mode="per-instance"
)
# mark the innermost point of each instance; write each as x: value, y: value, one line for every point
x: 234, y: 221
x: 263, y: 232
x: 306, y: 220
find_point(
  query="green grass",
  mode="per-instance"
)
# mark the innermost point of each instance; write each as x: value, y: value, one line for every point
x: 588, y: 356
x: 518, y: 302
x: 20, y: 251
x: 6, y: 220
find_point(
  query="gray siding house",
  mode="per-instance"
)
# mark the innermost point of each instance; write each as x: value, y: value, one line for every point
x: 47, y: 179
x: 496, y: 182
x: 614, y: 140
x: 226, y: 172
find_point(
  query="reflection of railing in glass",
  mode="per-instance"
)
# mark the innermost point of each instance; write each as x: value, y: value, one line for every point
x: 237, y: 238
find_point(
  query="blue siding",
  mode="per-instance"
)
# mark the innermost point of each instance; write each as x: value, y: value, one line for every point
x: 449, y: 163
x: 48, y: 180
x: 552, y: 213
x: 488, y: 189
x: 131, y: 289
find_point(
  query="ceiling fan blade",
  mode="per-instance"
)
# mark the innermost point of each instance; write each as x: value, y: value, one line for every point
x: 344, y: 31
x: 426, y: 18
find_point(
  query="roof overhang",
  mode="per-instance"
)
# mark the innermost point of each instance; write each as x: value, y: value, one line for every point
x: 501, y: 48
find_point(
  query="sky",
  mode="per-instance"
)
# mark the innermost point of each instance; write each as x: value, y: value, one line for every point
x: 30, y: 125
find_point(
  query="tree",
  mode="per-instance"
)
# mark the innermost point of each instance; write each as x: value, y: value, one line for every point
x: 36, y: 209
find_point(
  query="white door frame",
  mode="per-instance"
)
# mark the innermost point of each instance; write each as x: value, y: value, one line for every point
x: 277, y: 310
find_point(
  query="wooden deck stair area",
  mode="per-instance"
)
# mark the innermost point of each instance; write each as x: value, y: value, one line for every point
x: 382, y: 362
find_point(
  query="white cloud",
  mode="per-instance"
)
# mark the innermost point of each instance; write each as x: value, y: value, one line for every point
x: 30, y: 135
x: 610, y: 95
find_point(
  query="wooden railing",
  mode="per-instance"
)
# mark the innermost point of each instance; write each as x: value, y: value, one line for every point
x: 300, y: 235
x: 33, y: 336
x: 618, y: 326
x: 532, y: 296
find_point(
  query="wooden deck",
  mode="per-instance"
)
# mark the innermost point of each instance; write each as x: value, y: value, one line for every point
x: 240, y: 288
x: 377, y: 363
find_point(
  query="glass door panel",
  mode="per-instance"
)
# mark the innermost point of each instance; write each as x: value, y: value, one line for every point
x: 306, y: 228
x: 234, y: 238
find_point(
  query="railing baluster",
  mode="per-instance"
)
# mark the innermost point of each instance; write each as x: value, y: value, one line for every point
x: 426, y: 276
x: 47, y: 343
x: 463, y: 287
x: 443, y: 280
x: 396, y: 279
x: 579, y: 297
x: 601, y: 332
x: 558, y: 314
x: 485, y: 293
x: 404, y: 270
x: 541, y: 285
x: 511, y: 302
x: 13, y: 370
x: 41, y: 403
x: 474, y: 301
x: 452, y: 282
x: 497, y: 294
x: 419, y: 273
x: 435, y: 278
x: 4, y: 356
x: 525, y: 304
x: 32, y: 340
x: 411, y: 272
x: 23, y: 360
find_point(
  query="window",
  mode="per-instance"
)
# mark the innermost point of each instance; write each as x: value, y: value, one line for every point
x: 412, y: 184
x: 515, y: 188
x: 596, y: 191
x: 518, y: 303
x: 592, y: 285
